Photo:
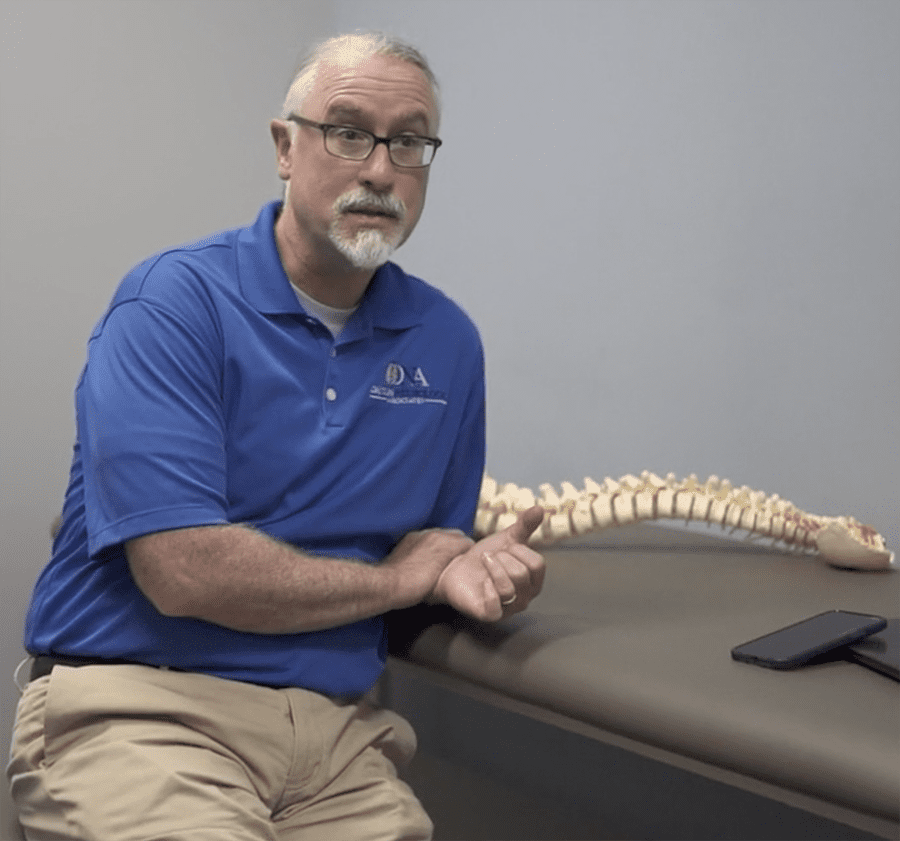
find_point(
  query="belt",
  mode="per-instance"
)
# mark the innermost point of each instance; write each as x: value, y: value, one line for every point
x: 43, y: 664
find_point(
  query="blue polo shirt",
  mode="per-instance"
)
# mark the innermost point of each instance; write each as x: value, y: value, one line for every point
x: 210, y: 396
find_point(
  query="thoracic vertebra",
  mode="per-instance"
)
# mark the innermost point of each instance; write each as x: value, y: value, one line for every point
x: 841, y: 541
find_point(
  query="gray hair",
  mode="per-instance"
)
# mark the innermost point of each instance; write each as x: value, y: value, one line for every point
x: 356, y: 47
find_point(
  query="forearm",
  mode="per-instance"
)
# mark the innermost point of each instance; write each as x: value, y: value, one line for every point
x: 240, y: 578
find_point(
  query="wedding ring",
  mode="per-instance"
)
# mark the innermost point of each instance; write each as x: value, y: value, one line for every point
x: 508, y: 602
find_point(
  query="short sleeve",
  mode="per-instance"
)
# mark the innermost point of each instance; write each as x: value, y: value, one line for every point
x: 460, y: 488
x: 150, y: 423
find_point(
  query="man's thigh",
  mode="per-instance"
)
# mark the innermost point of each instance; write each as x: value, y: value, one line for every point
x: 358, y: 794
x: 90, y: 762
x: 128, y: 753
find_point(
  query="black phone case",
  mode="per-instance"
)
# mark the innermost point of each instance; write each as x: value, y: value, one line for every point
x: 796, y: 653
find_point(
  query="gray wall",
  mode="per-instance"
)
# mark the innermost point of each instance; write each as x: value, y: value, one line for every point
x: 676, y: 224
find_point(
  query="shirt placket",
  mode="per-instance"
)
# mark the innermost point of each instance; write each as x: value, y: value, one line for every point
x: 333, y: 395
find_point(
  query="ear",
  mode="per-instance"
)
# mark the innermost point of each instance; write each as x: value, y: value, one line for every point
x: 281, y: 134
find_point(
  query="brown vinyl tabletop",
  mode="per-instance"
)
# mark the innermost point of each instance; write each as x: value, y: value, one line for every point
x: 633, y: 633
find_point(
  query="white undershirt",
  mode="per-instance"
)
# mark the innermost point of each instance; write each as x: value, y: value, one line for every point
x: 334, y: 319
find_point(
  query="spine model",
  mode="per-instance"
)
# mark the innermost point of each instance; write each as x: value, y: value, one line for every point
x: 840, y: 541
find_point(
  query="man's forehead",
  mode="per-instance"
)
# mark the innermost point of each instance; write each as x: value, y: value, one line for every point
x: 344, y: 86
x: 343, y: 109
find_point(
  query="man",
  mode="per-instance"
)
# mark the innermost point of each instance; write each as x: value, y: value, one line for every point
x: 280, y: 439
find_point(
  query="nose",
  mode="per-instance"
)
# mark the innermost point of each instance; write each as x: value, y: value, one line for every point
x: 377, y: 172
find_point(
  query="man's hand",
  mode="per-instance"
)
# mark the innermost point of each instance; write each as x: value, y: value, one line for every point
x: 420, y: 557
x: 497, y: 576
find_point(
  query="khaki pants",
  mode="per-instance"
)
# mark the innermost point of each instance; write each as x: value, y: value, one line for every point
x: 133, y: 753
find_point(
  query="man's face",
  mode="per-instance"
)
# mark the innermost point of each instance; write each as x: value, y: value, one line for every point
x: 385, y: 96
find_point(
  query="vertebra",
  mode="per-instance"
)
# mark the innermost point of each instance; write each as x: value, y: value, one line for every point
x: 841, y: 541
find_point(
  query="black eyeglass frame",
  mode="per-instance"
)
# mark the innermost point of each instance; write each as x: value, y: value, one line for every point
x: 435, y: 142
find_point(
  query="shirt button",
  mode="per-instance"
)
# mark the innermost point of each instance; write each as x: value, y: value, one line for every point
x: 333, y: 352
x: 330, y: 394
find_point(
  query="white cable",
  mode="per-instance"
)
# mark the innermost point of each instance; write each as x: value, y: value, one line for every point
x: 19, y: 686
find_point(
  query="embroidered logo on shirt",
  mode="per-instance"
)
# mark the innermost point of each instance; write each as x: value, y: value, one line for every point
x: 406, y: 385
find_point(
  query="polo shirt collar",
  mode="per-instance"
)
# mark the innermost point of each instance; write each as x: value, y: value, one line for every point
x: 261, y: 276
x: 389, y: 303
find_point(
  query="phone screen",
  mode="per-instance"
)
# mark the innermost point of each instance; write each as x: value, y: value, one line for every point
x: 798, y: 643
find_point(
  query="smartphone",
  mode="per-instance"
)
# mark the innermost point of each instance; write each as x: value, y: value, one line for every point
x: 799, y: 643
x: 880, y: 651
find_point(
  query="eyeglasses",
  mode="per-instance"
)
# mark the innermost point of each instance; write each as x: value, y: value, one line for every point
x: 356, y: 144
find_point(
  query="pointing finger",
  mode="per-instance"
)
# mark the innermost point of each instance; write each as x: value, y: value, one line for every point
x: 528, y: 521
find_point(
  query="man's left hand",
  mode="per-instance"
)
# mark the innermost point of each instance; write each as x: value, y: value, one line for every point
x: 497, y: 576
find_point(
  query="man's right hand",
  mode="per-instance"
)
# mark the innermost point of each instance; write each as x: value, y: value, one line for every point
x: 421, y: 556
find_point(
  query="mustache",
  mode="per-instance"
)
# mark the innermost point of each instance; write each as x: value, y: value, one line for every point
x: 365, y: 201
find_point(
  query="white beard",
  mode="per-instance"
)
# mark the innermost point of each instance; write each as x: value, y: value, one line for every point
x: 369, y: 249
